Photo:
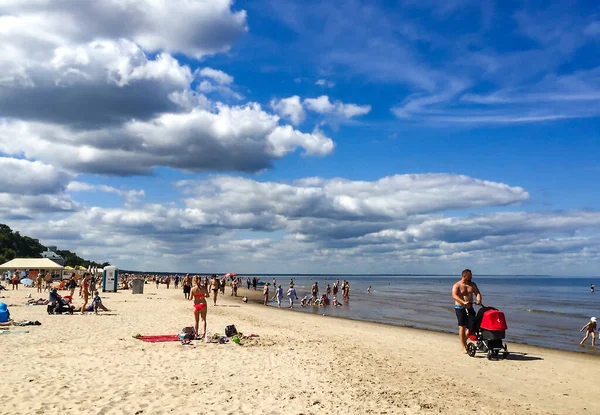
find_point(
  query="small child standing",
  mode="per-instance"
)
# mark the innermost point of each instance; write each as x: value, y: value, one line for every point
x: 590, y: 328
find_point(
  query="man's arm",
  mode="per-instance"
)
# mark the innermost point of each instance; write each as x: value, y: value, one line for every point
x: 476, y: 291
x: 456, y: 295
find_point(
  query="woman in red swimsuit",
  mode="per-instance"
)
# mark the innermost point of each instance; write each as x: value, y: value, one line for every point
x: 199, y: 294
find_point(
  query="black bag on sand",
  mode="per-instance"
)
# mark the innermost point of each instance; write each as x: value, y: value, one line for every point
x: 230, y: 331
x: 189, y: 333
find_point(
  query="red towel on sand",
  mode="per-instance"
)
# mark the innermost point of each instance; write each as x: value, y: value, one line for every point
x: 158, y: 339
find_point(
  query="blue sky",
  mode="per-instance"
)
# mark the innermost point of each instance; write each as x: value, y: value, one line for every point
x: 315, y: 136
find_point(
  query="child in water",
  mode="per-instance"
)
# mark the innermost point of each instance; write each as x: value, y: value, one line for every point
x: 590, y: 328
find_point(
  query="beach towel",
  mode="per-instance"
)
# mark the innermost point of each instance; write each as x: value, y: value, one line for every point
x: 159, y: 339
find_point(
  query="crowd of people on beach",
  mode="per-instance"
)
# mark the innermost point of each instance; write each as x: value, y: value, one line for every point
x: 200, y: 287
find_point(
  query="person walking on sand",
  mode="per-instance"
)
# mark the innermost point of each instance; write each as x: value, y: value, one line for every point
x: 462, y: 293
x: 85, y: 285
x: 292, y: 294
x: 266, y: 294
x: 72, y: 284
x: 214, y: 287
x: 590, y: 328
x: 187, y: 286
x: 199, y: 294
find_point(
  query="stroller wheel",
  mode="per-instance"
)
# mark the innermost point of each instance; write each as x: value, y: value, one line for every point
x: 490, y: 354
x: 471, y: 349
x: 505, y: 355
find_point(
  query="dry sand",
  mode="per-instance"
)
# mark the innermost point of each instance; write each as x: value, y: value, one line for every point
x: 303, y: 364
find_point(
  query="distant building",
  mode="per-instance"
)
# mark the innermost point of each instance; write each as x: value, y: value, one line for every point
x: 50, y: 254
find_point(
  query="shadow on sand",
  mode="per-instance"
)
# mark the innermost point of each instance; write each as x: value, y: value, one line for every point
x: 522, y: 357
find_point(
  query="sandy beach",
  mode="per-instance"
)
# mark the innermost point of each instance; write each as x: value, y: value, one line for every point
x: 302, y: 364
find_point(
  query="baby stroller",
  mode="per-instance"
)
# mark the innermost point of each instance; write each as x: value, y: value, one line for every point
x: 58, y: 304
x: 486, y: 334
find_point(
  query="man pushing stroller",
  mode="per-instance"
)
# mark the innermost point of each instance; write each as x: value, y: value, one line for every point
x: 462, y: 293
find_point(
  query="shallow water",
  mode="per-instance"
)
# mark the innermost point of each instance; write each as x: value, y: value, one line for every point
x: 541, y: 311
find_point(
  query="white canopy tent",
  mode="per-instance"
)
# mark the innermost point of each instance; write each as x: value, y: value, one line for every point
x: 31, y: 263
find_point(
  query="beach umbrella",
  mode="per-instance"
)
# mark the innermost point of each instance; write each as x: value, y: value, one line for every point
x: 26, y: 281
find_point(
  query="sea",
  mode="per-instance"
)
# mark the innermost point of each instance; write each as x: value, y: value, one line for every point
x: 540, y: 311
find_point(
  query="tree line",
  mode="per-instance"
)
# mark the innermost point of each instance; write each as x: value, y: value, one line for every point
x: 14, y: 245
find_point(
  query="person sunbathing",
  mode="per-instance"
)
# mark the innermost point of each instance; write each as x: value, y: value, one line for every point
x: 39, y: 301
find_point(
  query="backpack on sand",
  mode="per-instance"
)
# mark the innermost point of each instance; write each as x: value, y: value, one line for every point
x: 230, y: 331
x: 189, y: 333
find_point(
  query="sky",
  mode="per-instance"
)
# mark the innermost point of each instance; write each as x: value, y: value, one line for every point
x: 280, y: 136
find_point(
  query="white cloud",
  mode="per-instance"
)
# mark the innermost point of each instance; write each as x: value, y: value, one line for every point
x: 397, y: 221
x: 325, y: 83
x: 131, y: 196
x: 24, y: 177
x: 98, y: 83
x: 208, y: 87
x: 290, y: 108
x: 242, y: 138
x: 194, y: 28
x: 216, y: 75
x: 322, y: 105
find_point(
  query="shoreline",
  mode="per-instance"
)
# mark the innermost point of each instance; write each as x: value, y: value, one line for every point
x: 256, y: 298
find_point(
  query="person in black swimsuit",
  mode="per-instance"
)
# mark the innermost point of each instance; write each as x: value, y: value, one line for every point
x: 187, y: 286
x: 214, y: 286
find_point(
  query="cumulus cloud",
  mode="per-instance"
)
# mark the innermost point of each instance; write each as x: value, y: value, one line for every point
x: 323, y: 105
x: 403, y: 220
x: 242, y: 138
x: 290, y: 108
x: 194, y: 28
x: 99, y: 83
x: 24, y: 177
x: 391, y: 197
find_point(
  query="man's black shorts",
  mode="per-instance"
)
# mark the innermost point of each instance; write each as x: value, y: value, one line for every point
x: 465, y: 316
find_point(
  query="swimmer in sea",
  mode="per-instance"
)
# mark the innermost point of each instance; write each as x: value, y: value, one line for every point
x: 592, y: 288
x: 462, y: 293
x: 199, y: 294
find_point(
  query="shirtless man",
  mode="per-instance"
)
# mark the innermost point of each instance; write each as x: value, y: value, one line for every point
x: 462, y: 293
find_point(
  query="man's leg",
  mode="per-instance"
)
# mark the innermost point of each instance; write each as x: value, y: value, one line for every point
x: 463, y: 334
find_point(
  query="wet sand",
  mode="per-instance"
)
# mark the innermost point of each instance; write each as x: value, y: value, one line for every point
x: 302, y: 364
